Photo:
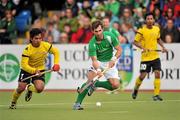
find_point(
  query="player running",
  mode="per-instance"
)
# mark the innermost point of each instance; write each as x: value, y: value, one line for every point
x: 101, y: 48
x: 33, y: 62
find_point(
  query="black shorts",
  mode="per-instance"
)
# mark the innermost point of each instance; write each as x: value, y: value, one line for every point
x: 148, y: 65
x: 23, y: 74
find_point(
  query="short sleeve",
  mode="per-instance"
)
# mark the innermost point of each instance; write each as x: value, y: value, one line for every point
x: 92, y: 49
x: 139, y: 35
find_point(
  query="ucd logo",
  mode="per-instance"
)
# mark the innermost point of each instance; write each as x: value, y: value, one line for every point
x: 125, y: 64
x: 9, y: 67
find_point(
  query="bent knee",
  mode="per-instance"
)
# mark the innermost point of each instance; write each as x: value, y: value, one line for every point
x: 40, y: 89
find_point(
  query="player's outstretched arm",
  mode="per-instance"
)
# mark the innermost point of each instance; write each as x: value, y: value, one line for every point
x: 160, y: 42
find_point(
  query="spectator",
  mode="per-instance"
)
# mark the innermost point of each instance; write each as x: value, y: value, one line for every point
x: 112, y: 17
x: 50, y: 39
x: 126, y: 4
x: 62, y: 14
x: 168, y: 38
x: 84, y: 34
x: 71, y: 4
x: 52, y: 31
x: 127, y: 17
x: 55, y: 19
x: 69, y: 19
x: 6, y: 5
x: 159, y: 19
x: 170, y: 29
x: 128, y: 32
x: 170, y: 15
x: 138, y: 18
x: 63, y: 38
x: 68, y: 31
x: 8, y: 31
x: 99, y: 11
x: 87, y: 8
x: 113, y: 6
x: 172, y: 4
x: 116, y: 26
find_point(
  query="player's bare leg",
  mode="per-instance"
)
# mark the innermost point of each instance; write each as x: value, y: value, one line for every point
x: 37, y: 87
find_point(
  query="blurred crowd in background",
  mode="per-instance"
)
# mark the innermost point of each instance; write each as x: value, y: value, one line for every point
x: 68, y: 21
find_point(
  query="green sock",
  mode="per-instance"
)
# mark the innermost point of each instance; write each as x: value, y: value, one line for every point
x: 82, y: 95
x: 104, y: 84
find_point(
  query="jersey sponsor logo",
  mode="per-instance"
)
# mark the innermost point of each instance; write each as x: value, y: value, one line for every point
x: 9, y: 67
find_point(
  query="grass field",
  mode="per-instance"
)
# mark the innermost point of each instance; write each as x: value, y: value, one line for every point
x: 58, y: 106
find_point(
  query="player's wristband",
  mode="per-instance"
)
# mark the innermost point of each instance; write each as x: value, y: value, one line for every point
x: 114, y: 58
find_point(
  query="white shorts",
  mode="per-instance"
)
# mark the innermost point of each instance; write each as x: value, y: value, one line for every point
x: 111, y: 73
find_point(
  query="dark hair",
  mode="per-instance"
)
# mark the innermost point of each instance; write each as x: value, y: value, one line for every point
x: 96, y: 24
x: 166, y: 13
x: 34, y: 32
x: 148, y: 14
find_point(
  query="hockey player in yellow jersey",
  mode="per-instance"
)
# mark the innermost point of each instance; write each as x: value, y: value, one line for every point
x: 33, y: 62
x: 147, y: 39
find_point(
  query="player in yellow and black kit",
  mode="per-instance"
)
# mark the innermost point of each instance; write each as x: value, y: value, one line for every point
x: 147, y: 38
x: 33, y: 62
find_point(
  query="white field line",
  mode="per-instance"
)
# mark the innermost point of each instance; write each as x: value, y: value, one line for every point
x: 117, y: 112
x: 110, y: 102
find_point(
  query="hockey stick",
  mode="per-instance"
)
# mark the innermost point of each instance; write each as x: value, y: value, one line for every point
x: 47, y: 71
x: 59, y: 73
x: 80, y: 90
x: 147, y: 51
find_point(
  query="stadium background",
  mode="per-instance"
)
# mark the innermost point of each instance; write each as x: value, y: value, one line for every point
x: 64, y: 32
x: 66, y: 24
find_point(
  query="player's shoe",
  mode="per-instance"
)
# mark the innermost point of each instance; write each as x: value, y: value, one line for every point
x: 134, y: 94
x: 13, y: 105
x: 28, y: 95
x: 157, y: 98
x: 77, y: 106
x: 91, y: 89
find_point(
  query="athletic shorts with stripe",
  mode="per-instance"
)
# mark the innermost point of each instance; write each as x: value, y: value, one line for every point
x: 23, y: 74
